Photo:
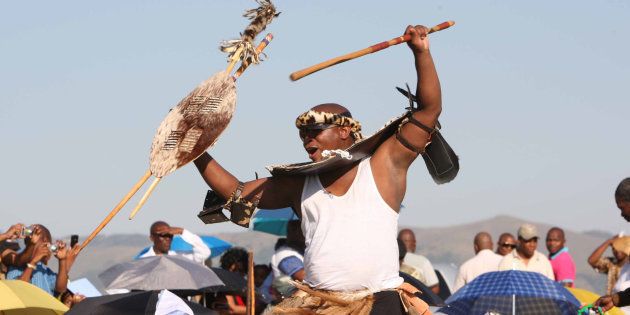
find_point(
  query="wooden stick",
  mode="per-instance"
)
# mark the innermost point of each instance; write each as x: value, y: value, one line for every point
x: 261, y: 46
x: 116, y: 209
x: 374, y: 48
x: 251, y: 290
x: 145, y: 197
x: 235, y: 58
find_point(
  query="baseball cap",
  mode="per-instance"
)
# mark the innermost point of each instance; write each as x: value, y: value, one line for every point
x: 527, y: 231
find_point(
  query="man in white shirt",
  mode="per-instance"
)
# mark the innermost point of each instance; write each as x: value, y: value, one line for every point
x: 485, y: 260
x: 161, y: 234
x: 427, y: 274
x: 525, y: 257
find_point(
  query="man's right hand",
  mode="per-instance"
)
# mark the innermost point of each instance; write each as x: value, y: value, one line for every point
x: 607, y: 302
x: 40, y: 252
x: 13, y: 232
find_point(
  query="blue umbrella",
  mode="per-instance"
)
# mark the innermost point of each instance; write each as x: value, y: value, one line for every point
x: 273, y: 221
x: 216, y: 245
x: 511, y: 292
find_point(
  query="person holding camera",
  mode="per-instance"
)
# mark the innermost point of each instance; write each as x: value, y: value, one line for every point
x: 32, y: 264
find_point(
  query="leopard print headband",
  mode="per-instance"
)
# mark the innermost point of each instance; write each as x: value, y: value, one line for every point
x: 312, y: 117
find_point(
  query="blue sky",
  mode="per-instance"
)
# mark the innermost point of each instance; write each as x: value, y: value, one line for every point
x: 535, y: 99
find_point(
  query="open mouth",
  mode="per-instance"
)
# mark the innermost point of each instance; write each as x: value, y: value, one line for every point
x: 311, y: 151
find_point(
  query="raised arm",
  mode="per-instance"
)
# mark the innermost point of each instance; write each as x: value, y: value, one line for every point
x: 393, y: 158
x: 598, y: 252
x: 273, y: 192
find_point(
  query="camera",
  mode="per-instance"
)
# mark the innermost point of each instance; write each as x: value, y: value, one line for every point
x: 53, y: 248
x: 26, y: 231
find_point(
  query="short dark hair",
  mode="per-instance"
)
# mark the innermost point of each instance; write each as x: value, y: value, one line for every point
x: 155, y: 225
x: 623, y: 190
x: 235, y: 255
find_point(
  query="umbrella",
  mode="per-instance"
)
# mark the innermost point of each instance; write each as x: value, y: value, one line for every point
x: 588, y: 297
x: 159, y: 272
x: 273, y: 221
x: 140, y: 302
x: 217, y: 246
x: 512, y: 292
x: 19, y: 297
x: 232, y: 282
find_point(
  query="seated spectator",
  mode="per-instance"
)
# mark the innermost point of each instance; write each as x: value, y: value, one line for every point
x: 506, y: 244
x: 235, y: 259
x: 161, y: 234
x: 427, y: 274
x: 485, y: 260
x: 37, y: 253
x: 525, y: 257
x: 611, y: 266
x: 402, y: 252
x: 263, y: 278
x: 287, y: 262
x: 561, y: 261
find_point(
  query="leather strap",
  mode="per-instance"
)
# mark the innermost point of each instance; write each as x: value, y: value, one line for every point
x: 415, y: 122
x: 420, y: 125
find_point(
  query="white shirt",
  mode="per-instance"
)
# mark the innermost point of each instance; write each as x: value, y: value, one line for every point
x: 538, y: 263
x: 350, y: 239
x: 200, y: 253
x: 485, y: 261
x: 623, y: 282
x: 427, y: 274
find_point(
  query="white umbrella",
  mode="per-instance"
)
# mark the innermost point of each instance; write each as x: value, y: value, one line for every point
x: 159, y: 272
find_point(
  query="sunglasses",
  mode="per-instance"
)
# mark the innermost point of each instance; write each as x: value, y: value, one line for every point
x: 512, y: 246
x: 314, y: 132
x: 164, y: 235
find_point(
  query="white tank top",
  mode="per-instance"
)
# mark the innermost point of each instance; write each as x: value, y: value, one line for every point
x: 350, y: 239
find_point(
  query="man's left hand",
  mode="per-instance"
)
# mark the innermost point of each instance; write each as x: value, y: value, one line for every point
x: 62, y: 250
x: 419, y: 38
x: 175, y: 230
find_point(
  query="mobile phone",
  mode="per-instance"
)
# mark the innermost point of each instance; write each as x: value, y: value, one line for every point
x: 74, y: 239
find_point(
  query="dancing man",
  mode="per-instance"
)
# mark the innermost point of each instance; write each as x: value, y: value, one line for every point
x: 349, y: 214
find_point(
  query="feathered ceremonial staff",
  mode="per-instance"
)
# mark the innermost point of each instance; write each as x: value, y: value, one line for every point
x: 197, y: 121
x: 374, y: 48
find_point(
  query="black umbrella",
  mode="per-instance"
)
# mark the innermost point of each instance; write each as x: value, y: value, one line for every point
x: 233, y: 282
x: 132, y: 303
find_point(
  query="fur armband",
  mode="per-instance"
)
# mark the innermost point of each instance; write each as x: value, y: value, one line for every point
x: 241, y: 208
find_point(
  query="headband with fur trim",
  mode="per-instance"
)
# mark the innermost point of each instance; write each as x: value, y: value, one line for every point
x: 312, y: 117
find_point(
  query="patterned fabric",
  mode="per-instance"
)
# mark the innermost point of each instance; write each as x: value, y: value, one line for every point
x: 608, y: 265
x: 42, y: 277
x: 494, y: 291
x: 312, y: 117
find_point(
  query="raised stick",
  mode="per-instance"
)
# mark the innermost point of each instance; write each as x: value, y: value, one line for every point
x: 374, y: 48
x: 116, y: 209
x: 145, y: 197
